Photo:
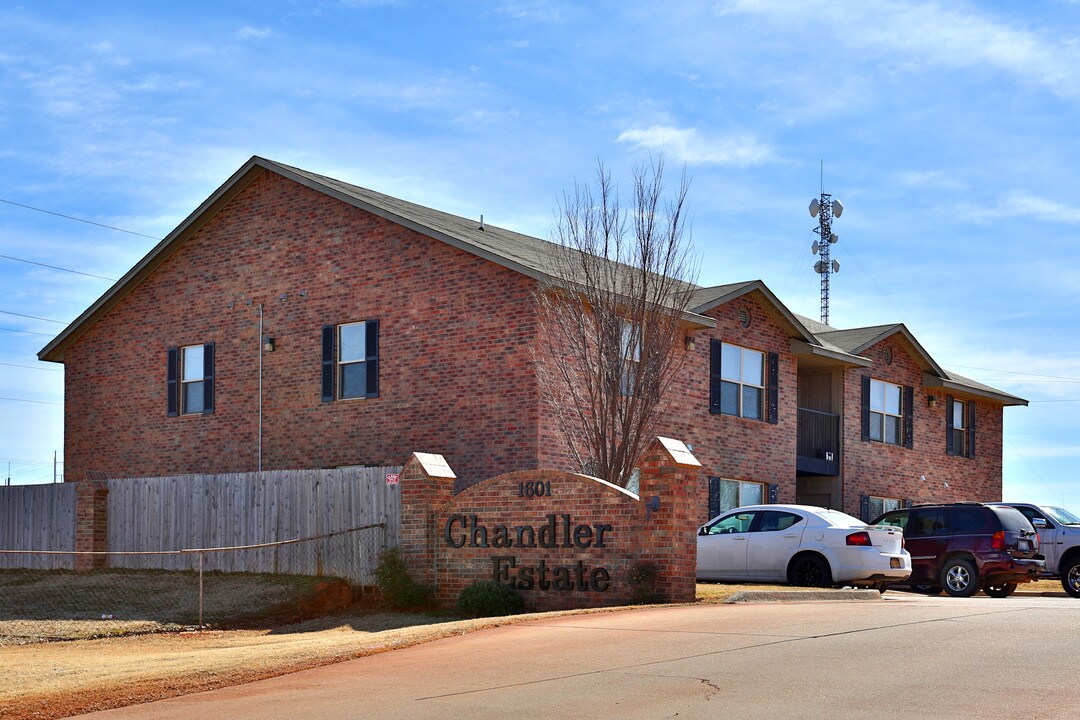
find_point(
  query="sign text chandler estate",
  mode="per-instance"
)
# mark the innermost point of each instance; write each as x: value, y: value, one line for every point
x: 557, y: 531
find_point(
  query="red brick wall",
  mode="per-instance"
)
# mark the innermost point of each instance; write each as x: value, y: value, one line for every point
x: 732, y: 447
x: 455, y: 358
x: 91, y: 505
x: 629, y: 534
x: 875, y: 468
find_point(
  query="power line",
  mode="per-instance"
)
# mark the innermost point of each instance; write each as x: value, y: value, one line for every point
x: 54, y: 267
x: 1016, y: 372
x: 31, y: 367
x: 69, y: 217
x: 34, y: 317
x: 37, y: 402
x: 28, y: 332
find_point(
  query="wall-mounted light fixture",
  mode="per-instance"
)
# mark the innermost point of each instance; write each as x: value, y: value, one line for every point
x: 690, y: 342
x: 931, y: 400
x: 268, y: 344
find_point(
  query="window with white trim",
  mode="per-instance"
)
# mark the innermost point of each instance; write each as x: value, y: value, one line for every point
x: 879, y: 505
x: 886, y: 412
x: 737, y: 493
x: 742, y: 381
x: 192, y: 377
x: 958, y: 431
x: 350, y: 361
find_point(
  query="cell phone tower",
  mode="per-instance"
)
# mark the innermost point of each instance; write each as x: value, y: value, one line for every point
x: 825, y: 209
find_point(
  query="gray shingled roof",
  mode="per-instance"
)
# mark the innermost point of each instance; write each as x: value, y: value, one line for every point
x: 526, y: 254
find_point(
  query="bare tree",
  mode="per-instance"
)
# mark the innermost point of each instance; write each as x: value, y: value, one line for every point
x: 612, y: 317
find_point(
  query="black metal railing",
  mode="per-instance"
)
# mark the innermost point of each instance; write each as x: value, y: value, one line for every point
x: 818, y: 435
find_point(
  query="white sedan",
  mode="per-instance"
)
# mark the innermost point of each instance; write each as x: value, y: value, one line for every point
x: 801, y: 545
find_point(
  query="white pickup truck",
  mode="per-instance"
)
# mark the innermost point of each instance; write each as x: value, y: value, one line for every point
x: 1059, y: 541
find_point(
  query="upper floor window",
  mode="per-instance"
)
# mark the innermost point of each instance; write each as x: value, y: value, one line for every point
x: 350, y: 361
x: 743, y: 382
x: 885, y: 416
x: 959, y: 427
x: 190, y: 380
x: 887, y: 412
x: 630, y: 353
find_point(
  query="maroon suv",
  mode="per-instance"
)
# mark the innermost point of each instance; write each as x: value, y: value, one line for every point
x: 960, y: 547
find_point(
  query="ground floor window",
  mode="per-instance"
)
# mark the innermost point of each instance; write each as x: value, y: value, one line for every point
x: 726, y: 494
x: 879, y: 505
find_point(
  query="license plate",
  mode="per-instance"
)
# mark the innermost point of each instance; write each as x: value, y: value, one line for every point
x: 1023, y: 544
x: 894, y: 562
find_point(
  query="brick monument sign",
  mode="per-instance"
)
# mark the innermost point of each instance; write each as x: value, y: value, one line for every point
x: 559, y: 539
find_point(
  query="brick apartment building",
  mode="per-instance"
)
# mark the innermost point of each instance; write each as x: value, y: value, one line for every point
x: 296, y: 321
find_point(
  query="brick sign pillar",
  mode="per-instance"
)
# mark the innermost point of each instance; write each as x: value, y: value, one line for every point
x: 668, y: 486
x: 90, y: 523
x: 426, y: 484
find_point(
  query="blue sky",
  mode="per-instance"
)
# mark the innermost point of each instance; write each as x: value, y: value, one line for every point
x: 949, y: 130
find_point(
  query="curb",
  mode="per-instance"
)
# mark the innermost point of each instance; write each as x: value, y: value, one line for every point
x: 773, y: 596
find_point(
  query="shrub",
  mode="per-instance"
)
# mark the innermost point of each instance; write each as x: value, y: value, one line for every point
x: 397, y: 587
x: 643, y: 577
x: 489, y: 599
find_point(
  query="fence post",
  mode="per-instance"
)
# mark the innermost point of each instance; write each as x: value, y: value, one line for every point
x: 201, y: 589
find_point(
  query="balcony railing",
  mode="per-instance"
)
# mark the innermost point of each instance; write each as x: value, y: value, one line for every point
x: 818, y: 443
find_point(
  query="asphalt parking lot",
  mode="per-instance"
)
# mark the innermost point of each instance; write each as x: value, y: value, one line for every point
x: 905, y: 655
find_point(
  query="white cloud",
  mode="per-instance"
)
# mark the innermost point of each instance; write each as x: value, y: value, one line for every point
x: 691, y: 147
x: 542, y: 11
x: 103, y: 47
x: 253, y: 33
x: 943, y: 35
x: 1022, y: 204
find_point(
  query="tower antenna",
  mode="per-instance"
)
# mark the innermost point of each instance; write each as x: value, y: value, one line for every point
x: 825, y: 208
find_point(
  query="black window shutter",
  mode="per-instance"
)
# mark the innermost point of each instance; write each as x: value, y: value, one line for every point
x: 715, y: 355
x: 866, y: 407
x: 774, y: 389
x: 714, y: 497
x: 208, y: 378
x: 371, y: 328
x: 774, y: 493
x: 908, y: 503
x: 971, y: 430
x: 909, y: 417
x: 328, y: 363
x: 950, y: 448
x: 864, y: 508
x: 172, y: 389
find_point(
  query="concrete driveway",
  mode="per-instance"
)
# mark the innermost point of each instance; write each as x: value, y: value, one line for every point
x: 909, y: 656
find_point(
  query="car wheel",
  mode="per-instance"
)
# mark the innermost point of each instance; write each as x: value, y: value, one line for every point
x: 810, y: 571
x: 959, y: 578
x: 1070, y: 577
x: 999, y: 591
x: 927, y: 589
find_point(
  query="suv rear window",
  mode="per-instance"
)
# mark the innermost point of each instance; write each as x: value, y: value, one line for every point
x: 1011, y: 519
x: 965, y: 520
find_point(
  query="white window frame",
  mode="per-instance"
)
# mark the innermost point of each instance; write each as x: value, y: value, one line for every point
x: 738, y: 378
x: 341, y: 363
x: 880, y: 412
x: 958, y: 427
x: 879, y: 505
x: 192, y: 375
x: 741, y: 485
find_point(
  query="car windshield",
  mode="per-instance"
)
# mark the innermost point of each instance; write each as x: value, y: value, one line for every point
x: 1062, y: 515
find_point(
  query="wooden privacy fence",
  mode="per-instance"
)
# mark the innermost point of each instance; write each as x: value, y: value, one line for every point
x: 37, y: 517
x: 326, y: 522
x: 239, y: 509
